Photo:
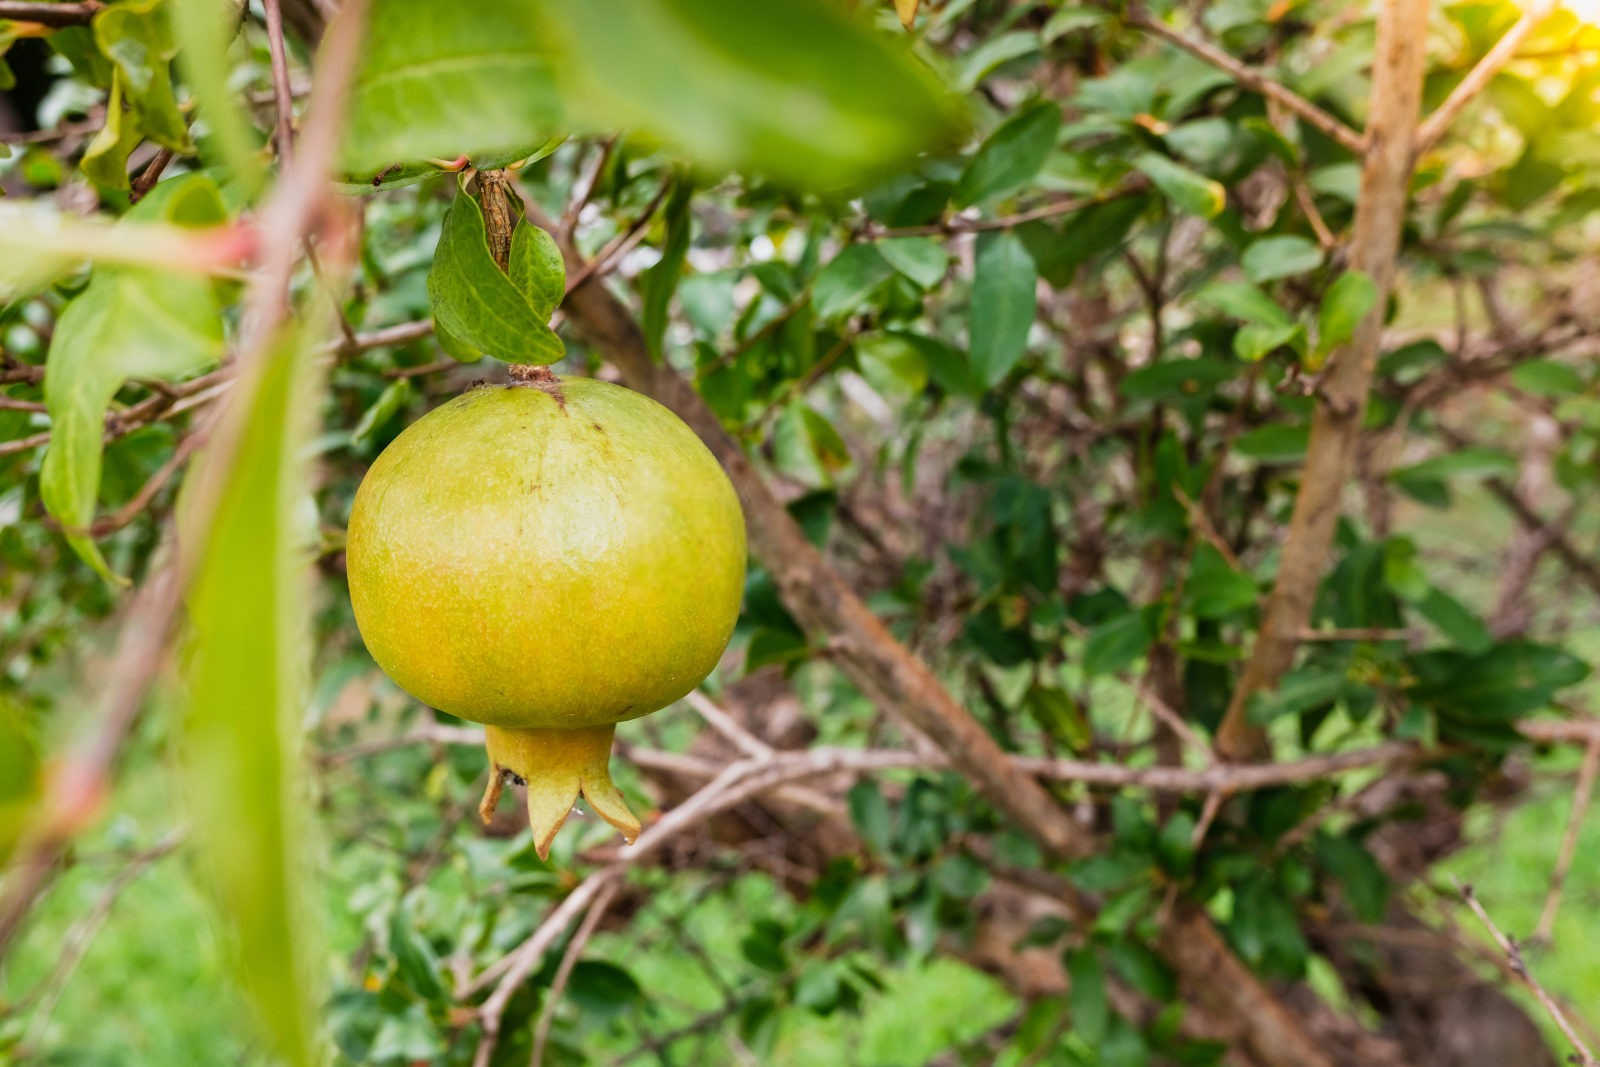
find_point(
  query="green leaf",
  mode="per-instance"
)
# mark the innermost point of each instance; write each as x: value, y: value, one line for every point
x: 1302, y: 689
x: 1059, y: 716
x: 246, y: 656
x: 127, y: 323
x: 1086, y: 995
x: 441, y: 80
x: 395, y: 396
x: 416, y: 964
x: 1507, y: 681
x: 1188, y: 191
x: 1255, y: 340
x: 661, y: 280
x: 847, y: 281
x: 603, y: 989
x: 410, y: 1037
x: 1547, y: 377
x: 135, y: 36
x: 922, y: 259
x: 1096, y: 230
x: 1281, y: 256
x: 1142, y: 970
x: 1242, y: 300
x: 537, y: 269
x: 479, y: 306
x: 892, y: 363
x: 807, y: 447
x: 992, y: 54
x: 1002, y: 307
x: 1115, y: 645
x: 1214, y: 589
x: 1455, y: 620
x: 960, y: 876
x: 21, y: 780
x: 1012, y: 155
x: 1471, y: 461
x: 1344, y: 305
x: 1277, y: 443
x: 105, y: 160
x: 202, y: 29
x: 801, y: 90
x: 869, y: 811
x: 1366, y: 887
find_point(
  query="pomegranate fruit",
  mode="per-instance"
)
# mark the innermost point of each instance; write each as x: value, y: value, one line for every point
x: 548, y: 558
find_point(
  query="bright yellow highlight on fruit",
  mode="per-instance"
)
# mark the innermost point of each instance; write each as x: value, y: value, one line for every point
x: 548, y: 558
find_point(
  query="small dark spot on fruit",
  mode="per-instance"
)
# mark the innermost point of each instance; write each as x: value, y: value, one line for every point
x: 516, y: 779
x: 598, y: 427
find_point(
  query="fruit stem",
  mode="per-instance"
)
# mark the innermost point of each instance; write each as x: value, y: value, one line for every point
x: 557, y: 766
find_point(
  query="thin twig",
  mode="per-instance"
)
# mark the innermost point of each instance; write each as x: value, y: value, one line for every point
x: 77, y: 939
x: 968, y: 224
x: 1519, y: 967
x: 283, y: 97
x: 585, y: 188
x: 727, y: 726
x: 1478, y: 78
x: 141, y: 186
x: 51, y: 14
x: 569, y: 960
x: 1569, y: 842
x: 620, y: 245
x: 1253, y: 79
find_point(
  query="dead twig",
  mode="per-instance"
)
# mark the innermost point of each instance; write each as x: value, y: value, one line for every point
x: 1519, y: 967
x: 569, y: 960
x: 1569, y: 841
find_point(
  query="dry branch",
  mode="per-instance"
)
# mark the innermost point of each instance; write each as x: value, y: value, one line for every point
x: 1479, y: 77
x: 1274, y: 91
x: 1519, y: 968
x: 1342, y: 393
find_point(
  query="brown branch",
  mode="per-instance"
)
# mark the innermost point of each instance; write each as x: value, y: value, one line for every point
x: 282, y: 95
x: 141, y: 186
x: 1482, y: 73
x: 585, y: 187
x: 1569, y: 842
x: 48, y: 14
x: 1342, y: 395
x: 618, y: 246
x: 871, y: 231
x: 569, y: 960
x: 1250, y: 78
x: 1519, y: 967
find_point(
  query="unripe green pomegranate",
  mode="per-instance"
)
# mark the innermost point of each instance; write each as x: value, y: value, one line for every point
x: 548, y: 558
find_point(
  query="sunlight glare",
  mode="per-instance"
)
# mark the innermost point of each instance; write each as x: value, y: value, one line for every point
x: 1587, y: 10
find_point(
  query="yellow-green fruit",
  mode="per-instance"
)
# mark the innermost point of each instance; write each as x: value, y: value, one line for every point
x: 547, y: 558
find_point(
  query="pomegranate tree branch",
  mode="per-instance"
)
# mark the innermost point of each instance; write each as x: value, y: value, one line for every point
x: 1519, y: 968
x: 1478, y: 78
x: 282, y: 93
x: 1342, y: 393
x: 1250, y: 78
x: 1569, y: 842
x: 569, y: 960
x: 48, y: 14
